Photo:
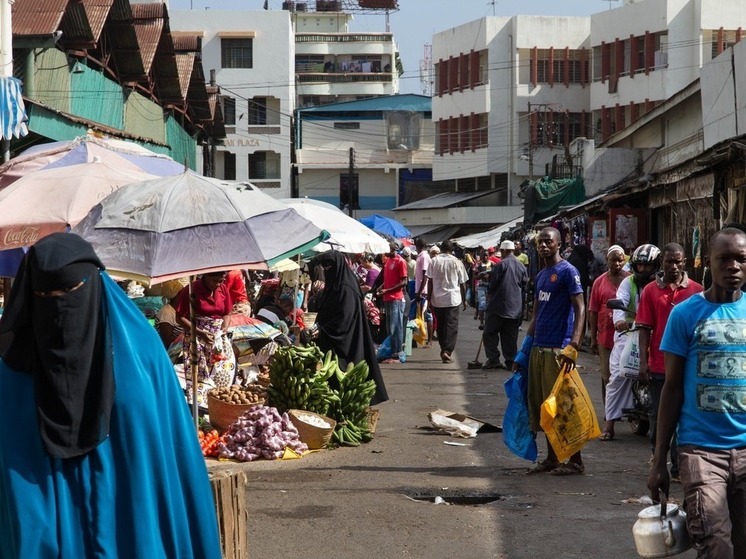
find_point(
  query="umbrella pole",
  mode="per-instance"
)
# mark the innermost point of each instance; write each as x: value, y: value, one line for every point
x: 295, y: 303
x: 193, y: 358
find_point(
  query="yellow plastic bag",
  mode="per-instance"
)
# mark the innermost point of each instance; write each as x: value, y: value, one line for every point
x: 420, y: 332
x: 567, y: 415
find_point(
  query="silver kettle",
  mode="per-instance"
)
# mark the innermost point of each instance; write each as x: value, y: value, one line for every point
x: 660, y: 531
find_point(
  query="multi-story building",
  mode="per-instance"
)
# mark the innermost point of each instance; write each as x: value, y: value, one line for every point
x: 332, y: 64
x: 646, y: 51
x: 386, y: 142
x: 511, y: 94
x: 250, y: 54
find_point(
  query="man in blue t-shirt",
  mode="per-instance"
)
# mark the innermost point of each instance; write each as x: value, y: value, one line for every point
x: 554, y: 332
x: 705, y: 393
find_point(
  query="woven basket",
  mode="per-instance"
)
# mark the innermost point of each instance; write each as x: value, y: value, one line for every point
x: 373, y: 415
x: 314, y: 437
x: 223, y: 414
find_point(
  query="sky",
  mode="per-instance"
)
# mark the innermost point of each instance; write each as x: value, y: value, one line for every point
x: 417, y: 20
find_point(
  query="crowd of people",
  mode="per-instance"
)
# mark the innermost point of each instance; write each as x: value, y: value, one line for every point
x: 66, y: 320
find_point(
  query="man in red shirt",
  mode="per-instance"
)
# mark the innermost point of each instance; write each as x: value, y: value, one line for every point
x: 392, y: 290
x: 601, y: 321
x: 656, y: 302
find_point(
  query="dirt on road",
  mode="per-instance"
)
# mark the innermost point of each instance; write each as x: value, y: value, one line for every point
x: 376, y: 500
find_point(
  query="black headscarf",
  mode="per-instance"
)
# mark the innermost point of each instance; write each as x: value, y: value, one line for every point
x: 62, y: 341
x: 343, y: 323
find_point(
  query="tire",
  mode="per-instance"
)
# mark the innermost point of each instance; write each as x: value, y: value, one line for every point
x: 639, y: 427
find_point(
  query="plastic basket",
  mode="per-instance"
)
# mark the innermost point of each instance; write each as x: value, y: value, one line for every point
x: 223, y: 414
x: 315, y: 437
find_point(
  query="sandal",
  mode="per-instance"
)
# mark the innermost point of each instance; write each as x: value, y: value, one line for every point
x: 606, y: 436
x: 568, y: 469
x: 545, y: 466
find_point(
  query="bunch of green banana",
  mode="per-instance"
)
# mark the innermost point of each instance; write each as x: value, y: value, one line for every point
x: 351, y: 412
x: 299, y: 379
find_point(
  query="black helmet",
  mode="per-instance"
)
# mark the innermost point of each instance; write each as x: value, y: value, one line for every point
x: 645, y: 254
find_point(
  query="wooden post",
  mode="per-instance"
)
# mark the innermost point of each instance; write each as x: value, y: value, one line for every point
x: 229, y: 490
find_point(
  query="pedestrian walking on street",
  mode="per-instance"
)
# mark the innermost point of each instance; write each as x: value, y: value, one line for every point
x: 446, y: 288
x: 600, y: 317
x: 553, y: 336
x: 504, y: 308
x: 658, y: 299
x: 645, y: 263
x: 392, y: 290
x: 99, y: 456
x: 704, y: 344
x: 420, y: 285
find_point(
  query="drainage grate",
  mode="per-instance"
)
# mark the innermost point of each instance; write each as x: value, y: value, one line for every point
x: 450, y: 497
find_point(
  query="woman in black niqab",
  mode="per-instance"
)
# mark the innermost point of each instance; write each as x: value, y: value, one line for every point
x: 53, y: 329
x: 342, y: 321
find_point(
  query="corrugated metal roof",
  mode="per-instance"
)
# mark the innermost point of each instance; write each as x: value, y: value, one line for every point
x: 407, y: 102
x: 444, y: 200
x: 37, y: 17
x: 149, y: 24
x: 84, y: 21
x: 127, y: 59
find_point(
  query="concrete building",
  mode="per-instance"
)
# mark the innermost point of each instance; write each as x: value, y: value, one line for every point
x: 387, y: 141
x: 251, y: 54
x: 517, y: 98
x: 333, y: 65
x: 509, y: 93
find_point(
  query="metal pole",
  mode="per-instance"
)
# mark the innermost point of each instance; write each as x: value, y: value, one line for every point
x: 193, y: 357
x: 530, y: 145
x: 349, y: 182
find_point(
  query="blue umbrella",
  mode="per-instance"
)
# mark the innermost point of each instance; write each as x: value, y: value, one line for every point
x: 386, y: 226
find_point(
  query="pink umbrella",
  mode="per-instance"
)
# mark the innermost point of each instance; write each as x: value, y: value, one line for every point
x: 85, y: 149
x: 48, y: 201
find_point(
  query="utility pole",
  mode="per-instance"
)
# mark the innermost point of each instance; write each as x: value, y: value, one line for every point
x: 350, y: 189
x: 530, y: 144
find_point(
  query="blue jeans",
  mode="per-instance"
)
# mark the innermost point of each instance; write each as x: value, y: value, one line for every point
x: 395, y: 325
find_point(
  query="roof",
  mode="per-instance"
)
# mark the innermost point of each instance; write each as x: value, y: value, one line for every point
x: 407, y: 102
x: 489, y: 238
x: 37, y: 17
x: 444, y: 200
x: 434, y: 233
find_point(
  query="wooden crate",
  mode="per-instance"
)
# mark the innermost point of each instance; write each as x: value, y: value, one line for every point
x: 229, y: 490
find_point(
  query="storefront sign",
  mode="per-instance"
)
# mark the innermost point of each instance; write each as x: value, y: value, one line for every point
x: 242, y: 142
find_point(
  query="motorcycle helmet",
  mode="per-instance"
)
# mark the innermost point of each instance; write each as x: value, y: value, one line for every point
x: 645, y: 254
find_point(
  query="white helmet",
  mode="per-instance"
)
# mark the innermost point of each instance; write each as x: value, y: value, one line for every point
x: 645, y: 254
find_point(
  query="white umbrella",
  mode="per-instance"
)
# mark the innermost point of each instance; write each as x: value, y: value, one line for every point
x: 345, y: 233
x: 188, y: 224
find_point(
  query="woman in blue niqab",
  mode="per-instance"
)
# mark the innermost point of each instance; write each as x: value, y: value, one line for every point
x: 98, y: 454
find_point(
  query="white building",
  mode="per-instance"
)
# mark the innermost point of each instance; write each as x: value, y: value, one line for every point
x: 387, y: 141
x: 508, y: 93
x: 333, y: 65
x: 252, y: 54
x: 511, y: 94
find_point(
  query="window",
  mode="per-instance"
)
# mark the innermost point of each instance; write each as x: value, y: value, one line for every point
x: 264, y: 165
x: 237, y: 53
x: 258, y: 111
x: 347, y: 125
x: 229, y: 166
x: 229, y: 111
x: 309, y: 62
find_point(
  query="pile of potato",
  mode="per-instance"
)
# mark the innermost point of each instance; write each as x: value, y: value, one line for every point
x: 252, y: 394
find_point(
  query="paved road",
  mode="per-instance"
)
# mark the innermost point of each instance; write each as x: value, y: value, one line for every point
x: 358, y: 502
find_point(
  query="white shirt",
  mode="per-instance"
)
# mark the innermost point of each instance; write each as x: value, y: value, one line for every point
x: 447, y: 273
x: 420, y: 271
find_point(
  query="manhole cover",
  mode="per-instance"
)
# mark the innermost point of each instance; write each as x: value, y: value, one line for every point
x: 464, y: 498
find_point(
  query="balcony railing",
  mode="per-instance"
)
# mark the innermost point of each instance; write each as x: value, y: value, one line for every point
x: 345, y: 78
x: 343, y: 38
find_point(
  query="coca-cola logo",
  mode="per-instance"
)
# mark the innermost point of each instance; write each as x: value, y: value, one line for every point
x: 23, y: 237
